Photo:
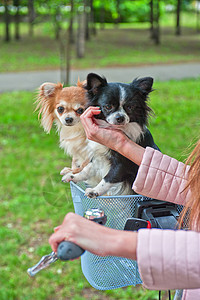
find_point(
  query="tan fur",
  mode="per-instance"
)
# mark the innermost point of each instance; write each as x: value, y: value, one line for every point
x: 72, y: 138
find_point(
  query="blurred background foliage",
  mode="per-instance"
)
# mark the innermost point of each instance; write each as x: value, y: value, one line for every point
x: 73, y: 27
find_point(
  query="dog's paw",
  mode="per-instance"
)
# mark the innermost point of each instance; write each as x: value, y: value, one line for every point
x: 65, y: 171
x: 68, y: 177
x: 91, y: 193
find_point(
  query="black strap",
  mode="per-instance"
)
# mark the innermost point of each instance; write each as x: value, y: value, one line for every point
x: 159, y: 295
x: 169, y: 294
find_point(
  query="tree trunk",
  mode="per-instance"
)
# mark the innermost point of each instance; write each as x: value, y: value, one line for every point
x: 92, y: 18
x: 81, y: 35
x: 65, y: 56
x: 157, y: 29
x: 198, y: 14
x: 7, y: 22
x: 31, y: 16
x: 87, y: 20
x: 68, y: 56
x: 62, y: 60
x: 156, y: 21
x: 117, y: 20
x: 102, y: 17
x: 17, y: 20
x: 71, y: 21
x: 178, y: 11
x: 151, y: 17
x: 57, y: 22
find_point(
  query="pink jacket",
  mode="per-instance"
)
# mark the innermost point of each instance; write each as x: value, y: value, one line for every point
x: 167, y: 259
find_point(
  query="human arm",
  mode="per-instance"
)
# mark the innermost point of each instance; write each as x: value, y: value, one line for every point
x: 95, y: 238
x: 162, y: 177
x: 167, y: 259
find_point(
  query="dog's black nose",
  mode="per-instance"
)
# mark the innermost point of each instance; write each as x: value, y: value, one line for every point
x: 68, y: 120
x: 120, y: 119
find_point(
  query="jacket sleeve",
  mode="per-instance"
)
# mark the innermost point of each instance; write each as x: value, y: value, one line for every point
x: 169, y: 259
x: 162, y: 177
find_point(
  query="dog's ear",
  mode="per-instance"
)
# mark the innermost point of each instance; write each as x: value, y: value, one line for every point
x: 145, y: 84
x: 81, y: 84
x: 45, y: 103
x: 49, y: 89
x: 94, y: 82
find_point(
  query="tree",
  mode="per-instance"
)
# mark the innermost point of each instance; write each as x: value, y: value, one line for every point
x: 80, y: 44
x: 71, y: 21
x: 87, y: 19
x: 7, y: 21
x: 56, y: 21
x: 118, y: 16
x: 102, y: 16
x: 31, y: 16
x: 178, y: 11
x: 154, y: 20
x: 198, y: 14
x: 151, y: 16
x: 92, y: 17
x: 17, y: 19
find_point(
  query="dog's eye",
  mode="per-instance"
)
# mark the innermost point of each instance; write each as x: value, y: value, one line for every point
x: 79, y: 110
x: 60, y: 109
x: 130, y: 107
x: 108, y: 106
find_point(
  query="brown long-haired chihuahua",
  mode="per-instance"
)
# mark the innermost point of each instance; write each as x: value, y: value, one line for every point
x: 63, y: 106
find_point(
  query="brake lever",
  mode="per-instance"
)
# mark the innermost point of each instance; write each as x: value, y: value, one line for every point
x: 67, y: 250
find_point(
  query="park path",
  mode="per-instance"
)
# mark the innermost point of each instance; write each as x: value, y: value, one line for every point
x: 30, y: 81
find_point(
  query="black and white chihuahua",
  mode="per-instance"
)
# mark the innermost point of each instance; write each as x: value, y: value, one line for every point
x: 123, y: 106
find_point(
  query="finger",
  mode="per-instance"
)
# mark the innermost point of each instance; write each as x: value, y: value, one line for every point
x: 55, y: 239
x: 56, y: 228
x: 90, y: 112
x: 75, y: 258
x: 89, y: 123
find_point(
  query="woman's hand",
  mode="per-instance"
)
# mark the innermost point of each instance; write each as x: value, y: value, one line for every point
x: 112, y: 138
x: 95, y: 238
x: 85, y: 233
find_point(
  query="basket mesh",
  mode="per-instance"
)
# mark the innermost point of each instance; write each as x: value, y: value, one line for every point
x: 106, y: 273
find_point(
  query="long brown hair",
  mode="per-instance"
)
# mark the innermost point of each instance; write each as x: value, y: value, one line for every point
x: 192, y: 207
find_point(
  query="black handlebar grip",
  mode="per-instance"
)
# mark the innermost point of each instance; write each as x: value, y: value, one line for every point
x: 68, y: 250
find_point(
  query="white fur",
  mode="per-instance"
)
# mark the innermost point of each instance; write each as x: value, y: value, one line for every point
x: 122, y: 93
x: 133, y: 130
x: 62, y: 103
x: 96, y: 169
x: 46, y: 121
x: 74, y: 142
x: 111, y: 119
x: 108, y: 188
x: 70, y: 114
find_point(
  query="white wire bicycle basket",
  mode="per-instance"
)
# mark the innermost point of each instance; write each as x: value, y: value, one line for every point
x: 106, y: 273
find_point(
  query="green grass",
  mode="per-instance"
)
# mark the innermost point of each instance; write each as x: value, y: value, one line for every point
x: 127, y: 45
x: 31, y: 161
